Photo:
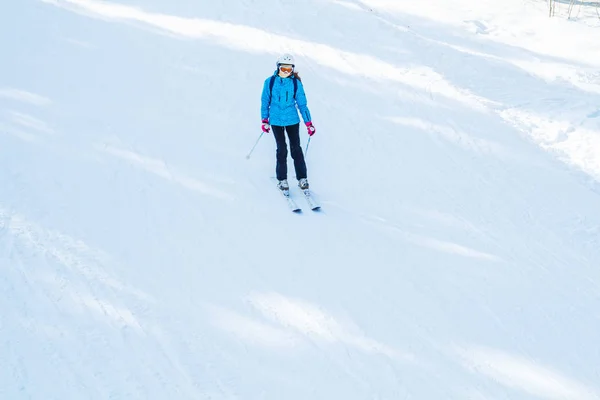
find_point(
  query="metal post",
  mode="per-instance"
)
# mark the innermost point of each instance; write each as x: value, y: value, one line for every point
x: 306, y: 151
x: 253, y: 147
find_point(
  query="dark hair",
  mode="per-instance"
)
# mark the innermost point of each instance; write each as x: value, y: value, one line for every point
x: 297, y: 76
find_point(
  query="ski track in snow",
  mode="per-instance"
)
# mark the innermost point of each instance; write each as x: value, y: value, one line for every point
x: 143, y: 257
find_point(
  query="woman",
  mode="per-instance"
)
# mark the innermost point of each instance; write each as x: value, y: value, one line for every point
x: 282, y: 96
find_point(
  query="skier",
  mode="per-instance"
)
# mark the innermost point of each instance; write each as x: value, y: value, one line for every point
x: 282, y: 96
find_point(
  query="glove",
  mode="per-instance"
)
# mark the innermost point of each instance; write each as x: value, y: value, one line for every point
x: 311, y: 128
x: 265, y: 125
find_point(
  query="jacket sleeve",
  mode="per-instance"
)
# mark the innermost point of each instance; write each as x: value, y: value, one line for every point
x: 302, y: 103
x: 265, y: 101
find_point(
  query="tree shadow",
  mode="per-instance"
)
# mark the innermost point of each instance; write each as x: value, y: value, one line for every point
x: 579, y: 2
x: 413, y: 137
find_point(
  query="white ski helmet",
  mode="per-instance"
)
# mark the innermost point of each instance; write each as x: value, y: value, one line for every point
x: 285, y: 59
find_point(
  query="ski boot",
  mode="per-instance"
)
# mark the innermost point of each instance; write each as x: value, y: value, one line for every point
x: 303, y: 184
x: 283, y: 186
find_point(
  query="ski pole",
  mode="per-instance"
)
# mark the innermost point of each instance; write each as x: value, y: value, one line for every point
x: 253, y: 147
x: 306, y: 151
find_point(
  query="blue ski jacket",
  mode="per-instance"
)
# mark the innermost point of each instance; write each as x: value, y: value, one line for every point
x: 279, y: 106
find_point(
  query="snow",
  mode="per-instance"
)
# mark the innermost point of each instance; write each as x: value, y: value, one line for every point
x: 457, y: 160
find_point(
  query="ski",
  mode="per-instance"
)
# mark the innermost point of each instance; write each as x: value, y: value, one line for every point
x: 312, y: 203
x: 290, y: 202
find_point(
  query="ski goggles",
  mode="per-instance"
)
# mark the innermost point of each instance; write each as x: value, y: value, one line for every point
x: 286, y: 69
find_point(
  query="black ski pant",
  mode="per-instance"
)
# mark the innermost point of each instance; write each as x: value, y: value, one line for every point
x: 293, y: 132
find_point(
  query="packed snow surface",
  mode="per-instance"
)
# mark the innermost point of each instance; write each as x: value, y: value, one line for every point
x: 457, y: 161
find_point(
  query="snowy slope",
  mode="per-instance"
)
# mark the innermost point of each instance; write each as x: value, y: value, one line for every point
x: 143, y: 257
